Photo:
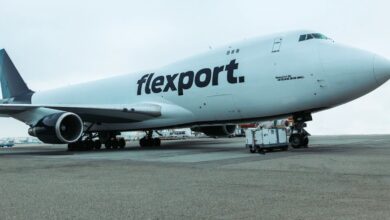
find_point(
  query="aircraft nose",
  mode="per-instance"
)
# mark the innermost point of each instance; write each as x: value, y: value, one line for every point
x: 381, y: 69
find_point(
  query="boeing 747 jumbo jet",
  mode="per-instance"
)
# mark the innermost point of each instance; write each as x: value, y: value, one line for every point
x: 287, y: 74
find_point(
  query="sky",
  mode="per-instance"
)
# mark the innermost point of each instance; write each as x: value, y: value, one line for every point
x: 58, y: 43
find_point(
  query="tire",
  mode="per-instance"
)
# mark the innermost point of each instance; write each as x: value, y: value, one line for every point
x: 97, y: 145
x: 261, y: 150
x: 156, y: 142
x: 89, y: 145
x: 115, y: 144
x: 108, y: 144
x: 122, y: 143
x: 305, y: 142
x: 296, y: 141
x: 252, y: 150
x: 142, y: 142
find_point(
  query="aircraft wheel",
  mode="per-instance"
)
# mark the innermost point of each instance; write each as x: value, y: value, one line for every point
x: 142, y: 142
x: 296, y: 140
x: 97, y: 144
x: 305, y: 142
x: 108, y: 144
x: 147, y: 142
x: 156, y: 142
x: 88, y: 145
x: 122, y: 143
x: 115, y: 144
x: 261, y: 150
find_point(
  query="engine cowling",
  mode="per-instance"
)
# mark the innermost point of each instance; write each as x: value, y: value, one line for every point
x: 59, y: 128
x: 216, y: 131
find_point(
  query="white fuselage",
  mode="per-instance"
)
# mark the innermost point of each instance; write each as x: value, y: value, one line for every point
x: 267, y: 77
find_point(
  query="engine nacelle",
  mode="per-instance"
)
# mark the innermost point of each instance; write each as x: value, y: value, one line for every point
x: 59, y: 128
x: 216, y: 131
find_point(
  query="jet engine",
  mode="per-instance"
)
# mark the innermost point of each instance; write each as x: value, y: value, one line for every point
x: 59, y: 128
x: 216, y: 131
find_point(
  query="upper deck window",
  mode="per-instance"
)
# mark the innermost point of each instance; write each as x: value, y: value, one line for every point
x: 312, y: 36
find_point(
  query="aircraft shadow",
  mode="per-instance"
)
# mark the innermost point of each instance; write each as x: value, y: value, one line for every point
x: 185, y: 145
x: 177, y: 145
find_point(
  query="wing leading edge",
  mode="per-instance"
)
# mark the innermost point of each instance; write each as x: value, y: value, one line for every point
x: 94, y: 114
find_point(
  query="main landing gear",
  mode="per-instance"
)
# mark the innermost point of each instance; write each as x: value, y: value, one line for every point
x: 299, y: 137
x: 115, y: 143
x: 94, y: 141
x: 149, y: 141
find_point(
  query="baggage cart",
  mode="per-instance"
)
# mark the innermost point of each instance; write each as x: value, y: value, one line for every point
x: 266, y: 139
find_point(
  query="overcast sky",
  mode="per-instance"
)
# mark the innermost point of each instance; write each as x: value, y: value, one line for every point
x: 57, y: 43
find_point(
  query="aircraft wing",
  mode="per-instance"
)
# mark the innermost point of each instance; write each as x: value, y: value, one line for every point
x: 102, y: 113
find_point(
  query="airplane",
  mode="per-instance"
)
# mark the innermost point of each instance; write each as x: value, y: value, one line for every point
x: 7, y: 143
x: 295, y: 73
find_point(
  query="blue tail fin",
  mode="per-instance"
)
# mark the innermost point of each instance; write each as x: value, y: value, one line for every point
x: 12, y: 84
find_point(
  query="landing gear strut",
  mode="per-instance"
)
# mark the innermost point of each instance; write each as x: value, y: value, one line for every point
x: 299, y: 137
x: 149, y: 141
x: 94, y: 141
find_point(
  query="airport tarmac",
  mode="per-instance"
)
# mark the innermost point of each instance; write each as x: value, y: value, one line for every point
x: 338, y: 177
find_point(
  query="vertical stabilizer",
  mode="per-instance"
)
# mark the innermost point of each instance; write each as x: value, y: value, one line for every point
x: 12, y: 84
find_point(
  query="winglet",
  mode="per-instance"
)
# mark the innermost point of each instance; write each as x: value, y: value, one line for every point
x: 12, y: 84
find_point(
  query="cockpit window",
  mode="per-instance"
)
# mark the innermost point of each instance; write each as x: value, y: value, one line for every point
x: 312, y: 36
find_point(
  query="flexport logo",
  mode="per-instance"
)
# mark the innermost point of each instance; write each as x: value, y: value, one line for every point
x: 185, y: 80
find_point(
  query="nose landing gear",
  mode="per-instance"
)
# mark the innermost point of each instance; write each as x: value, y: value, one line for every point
x: 299, y: 137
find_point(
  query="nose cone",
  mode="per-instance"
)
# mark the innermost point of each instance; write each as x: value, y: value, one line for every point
x: 381, y: 69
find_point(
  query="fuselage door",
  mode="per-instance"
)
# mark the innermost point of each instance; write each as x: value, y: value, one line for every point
x: 277, y: 45
x: 297, y: 71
